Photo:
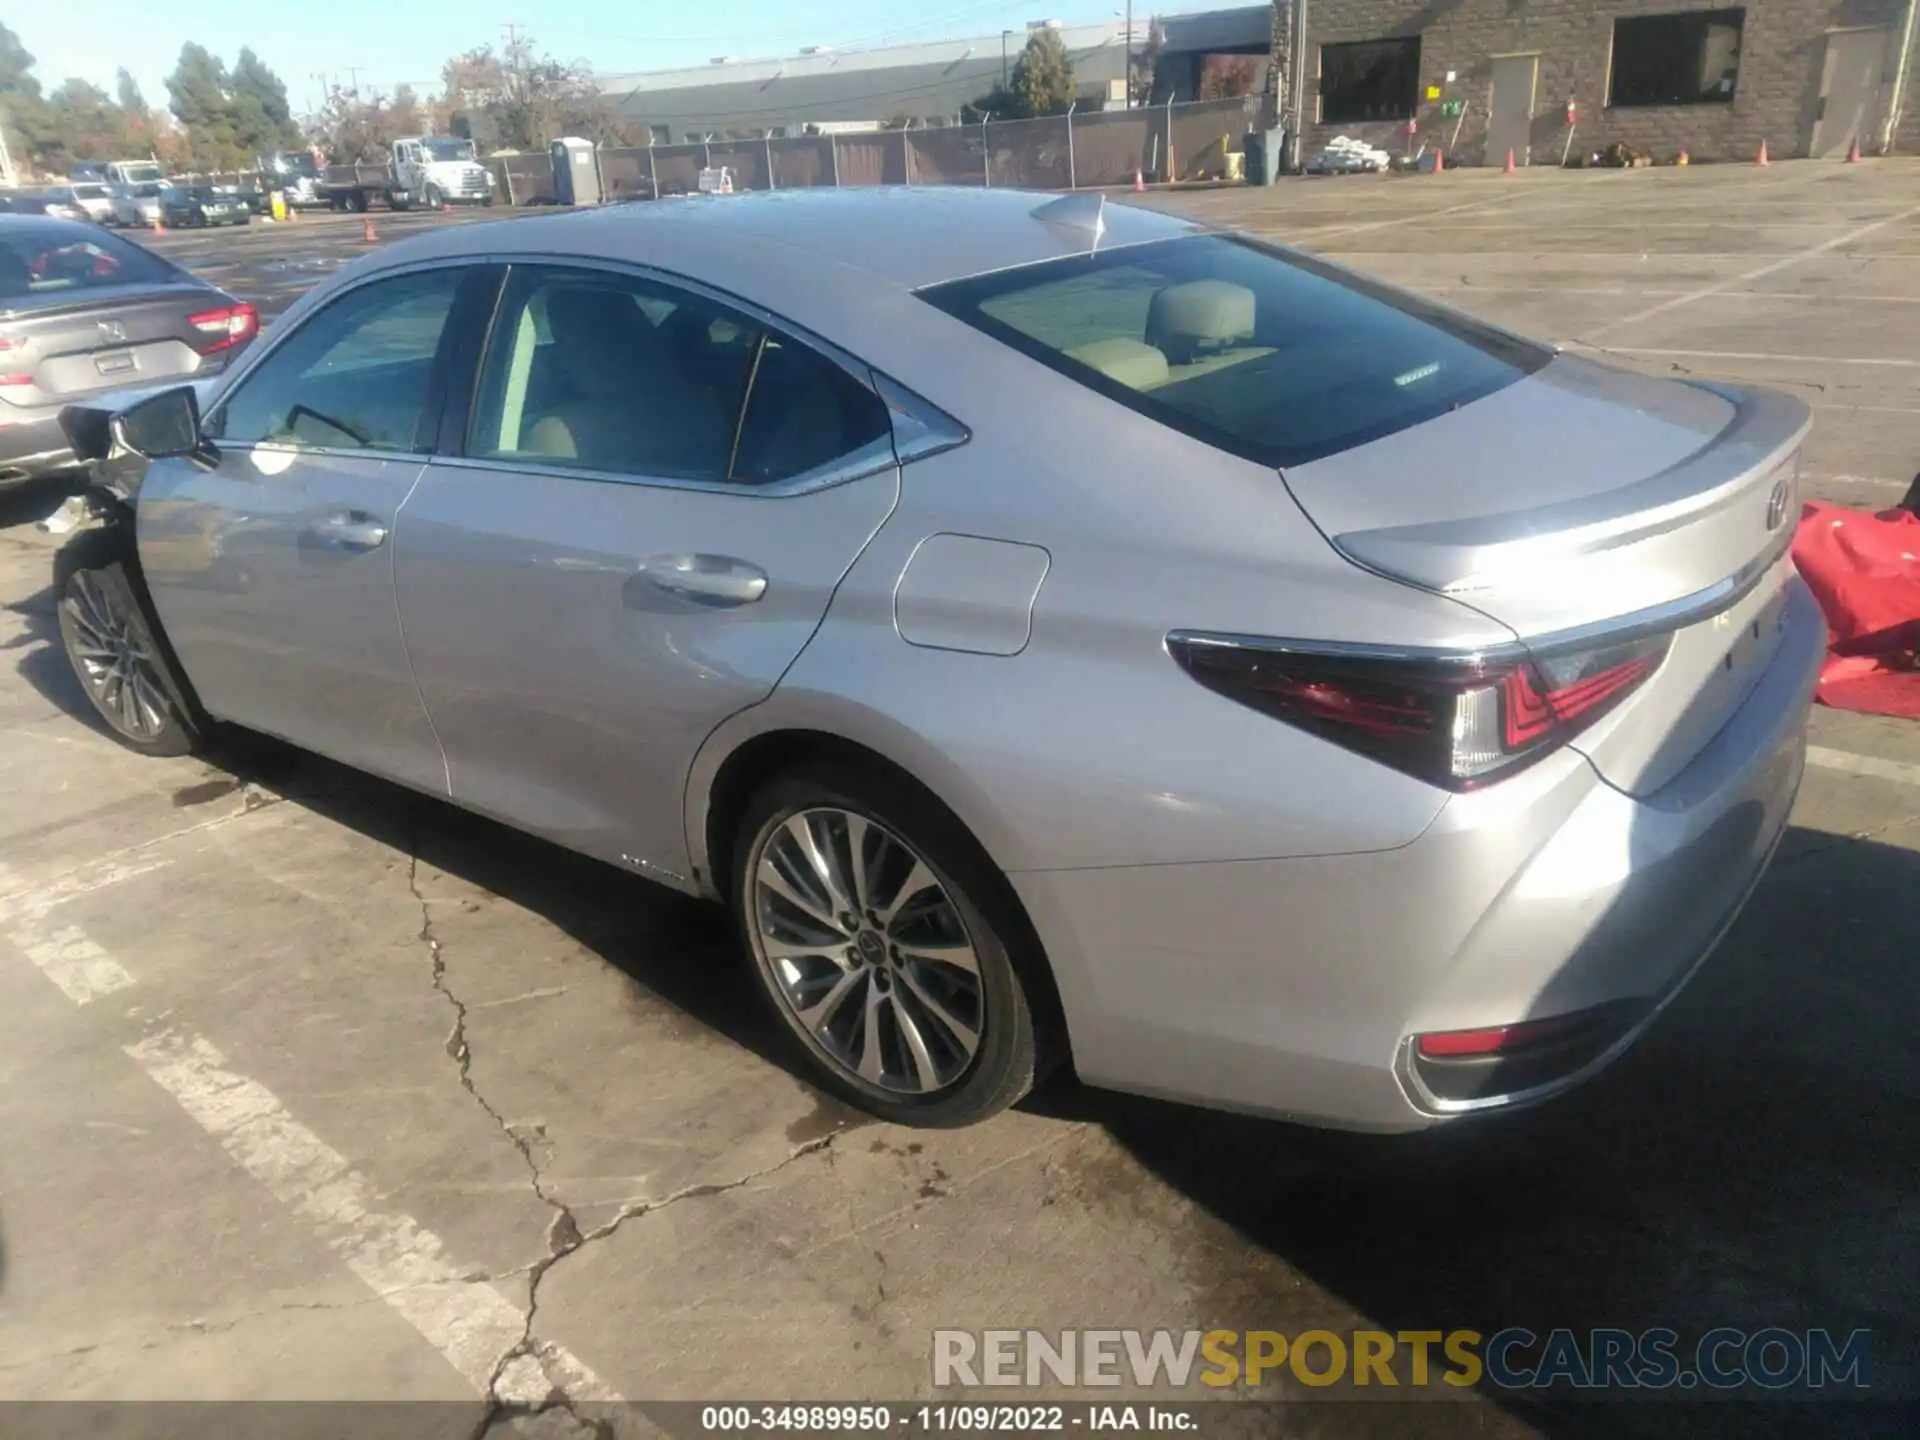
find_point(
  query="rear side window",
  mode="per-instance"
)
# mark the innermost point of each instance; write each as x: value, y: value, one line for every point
x: 54, y: 261
x: 1272, y: 356
x: 592, y: 370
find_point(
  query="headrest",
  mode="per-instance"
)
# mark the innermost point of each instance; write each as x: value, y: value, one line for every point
x: 1130, y: 363
x: 1203, y: 311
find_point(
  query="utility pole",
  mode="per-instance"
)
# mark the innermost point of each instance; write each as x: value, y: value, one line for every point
x: 1003, y: 57
x: 1129, y: 65
x: 1297, y: 99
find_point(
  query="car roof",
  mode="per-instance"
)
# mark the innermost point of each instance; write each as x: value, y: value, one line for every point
x: 899, y: 235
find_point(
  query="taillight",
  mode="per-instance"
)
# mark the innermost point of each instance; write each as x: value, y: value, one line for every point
x: 1459, y: 723
x: 225, y: 328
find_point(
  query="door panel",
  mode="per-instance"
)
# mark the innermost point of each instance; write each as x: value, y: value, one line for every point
x: 273, y: 572
x: 274, y: 580
x: 571, y: 663
x: 1849, y: 91
x: 663, y: 494
x: 1510, y: 127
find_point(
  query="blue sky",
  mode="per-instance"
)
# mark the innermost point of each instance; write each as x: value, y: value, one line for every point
x: 396, y: 41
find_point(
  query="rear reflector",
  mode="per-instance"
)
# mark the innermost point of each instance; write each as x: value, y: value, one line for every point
x: 1458, y: 724
x: 16, y: 379
x: 225, y: 328
x: 1499, y: 1039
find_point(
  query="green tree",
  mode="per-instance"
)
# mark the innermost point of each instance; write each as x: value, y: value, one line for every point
x: 84, y: 124
x: 127, y: 93
x: 197, y: 95
x: 1042, y: 80
x: 262, y: 118
x: 23, y: 108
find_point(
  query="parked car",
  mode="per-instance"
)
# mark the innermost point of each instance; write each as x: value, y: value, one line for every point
x: 92, y: 197
x: 82, y: 311
x: 58, y: 202
x: 137, y: 203
x: 1053, y: 630
x: 198, y: 206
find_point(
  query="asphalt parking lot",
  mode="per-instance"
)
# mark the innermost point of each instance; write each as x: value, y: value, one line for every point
x: 318, y: 1089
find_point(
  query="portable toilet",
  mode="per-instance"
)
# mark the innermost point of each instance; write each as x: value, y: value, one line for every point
x: 576, y: 179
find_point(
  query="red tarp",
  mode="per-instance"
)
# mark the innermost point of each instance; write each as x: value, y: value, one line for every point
x: 1865, y: 572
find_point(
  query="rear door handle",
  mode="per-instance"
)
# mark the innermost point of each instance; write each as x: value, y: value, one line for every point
x: 719, y: 581
x: 349, y: 530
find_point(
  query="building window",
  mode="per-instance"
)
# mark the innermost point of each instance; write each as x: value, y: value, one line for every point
x: 1676, y: 59
x: 1369, y: 80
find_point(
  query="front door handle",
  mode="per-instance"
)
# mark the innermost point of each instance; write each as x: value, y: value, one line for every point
x: 349, y: 530
x: 719, y: 581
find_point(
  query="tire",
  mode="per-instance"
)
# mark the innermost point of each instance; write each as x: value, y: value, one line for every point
x: 121, y: 660
x: 487, y: 204
x: 878, y: 985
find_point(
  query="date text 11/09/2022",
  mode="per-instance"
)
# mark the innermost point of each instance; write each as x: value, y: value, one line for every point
x: 956, y: 1419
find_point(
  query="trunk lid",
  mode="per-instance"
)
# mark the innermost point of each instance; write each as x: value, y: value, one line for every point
x: 119, y: 335
x: 1583, y: 499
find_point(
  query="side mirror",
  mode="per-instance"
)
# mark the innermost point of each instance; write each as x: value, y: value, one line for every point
x: 162, y: 426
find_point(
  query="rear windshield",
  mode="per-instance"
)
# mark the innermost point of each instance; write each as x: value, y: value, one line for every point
x: 49, y: 260
x: 1268, y: 354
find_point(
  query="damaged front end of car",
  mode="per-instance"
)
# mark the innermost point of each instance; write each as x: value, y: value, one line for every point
x: 117, y: 437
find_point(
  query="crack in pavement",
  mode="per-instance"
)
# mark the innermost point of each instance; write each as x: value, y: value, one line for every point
x: 514, y: 1387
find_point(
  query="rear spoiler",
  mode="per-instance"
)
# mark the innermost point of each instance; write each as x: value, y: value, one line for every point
x: 1458, y: 557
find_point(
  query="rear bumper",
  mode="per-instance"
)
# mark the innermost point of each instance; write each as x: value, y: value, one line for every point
x: 1296, y: 987
x: 32, y: 444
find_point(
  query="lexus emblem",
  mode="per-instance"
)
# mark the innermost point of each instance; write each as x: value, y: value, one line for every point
x: 1777, y: 503
x: 112, y: 331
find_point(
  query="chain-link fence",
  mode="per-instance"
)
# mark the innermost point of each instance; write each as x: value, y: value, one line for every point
x: 1061, y: 152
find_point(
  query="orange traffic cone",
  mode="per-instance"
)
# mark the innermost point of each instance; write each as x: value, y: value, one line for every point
x: 159, y: 224
x: 1439, y: 161
x: 1761, y: 158
x: 1510, y: 165
x: 366, y: 231
x: 1139, y: 184
x: 1853, y: 151
x: 1683, y: 158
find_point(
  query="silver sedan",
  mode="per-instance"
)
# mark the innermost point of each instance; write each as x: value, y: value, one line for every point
x: 1060, y: 633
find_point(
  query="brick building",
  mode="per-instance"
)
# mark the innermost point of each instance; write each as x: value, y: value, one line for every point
x: 1481, y: 76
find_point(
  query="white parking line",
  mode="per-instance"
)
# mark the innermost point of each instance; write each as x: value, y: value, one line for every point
x: 82, y: 970
x: 1863, y: 765
x: 1734, y: 282
x: 405, y: 1264
x: 400, y: 1260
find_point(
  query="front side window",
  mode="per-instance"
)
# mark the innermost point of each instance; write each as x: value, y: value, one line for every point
x: 1691, y: 59
x: 354, y: 375
x: 1273, y: 356
x: 630, y: 376
x: 1369, y: 80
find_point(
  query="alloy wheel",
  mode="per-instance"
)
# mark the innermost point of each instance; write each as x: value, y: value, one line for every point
x: 113, y: 659
x: 867, y: 951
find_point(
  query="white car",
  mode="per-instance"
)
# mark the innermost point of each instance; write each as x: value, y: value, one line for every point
x: 92, y: 197
x: 136, y: 205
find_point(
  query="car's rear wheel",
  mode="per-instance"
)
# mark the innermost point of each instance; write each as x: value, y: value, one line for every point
x: 885, y: 946
x: 122, y: 665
